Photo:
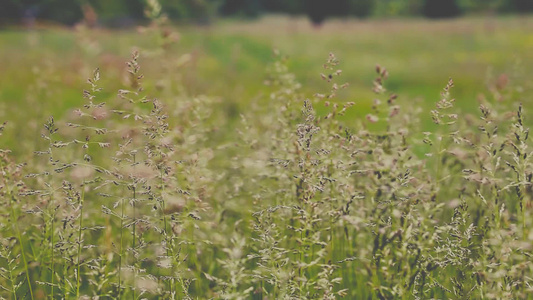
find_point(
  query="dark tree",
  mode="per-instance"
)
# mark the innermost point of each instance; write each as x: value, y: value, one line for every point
x: 523, y: 6
x: 292, y: 7
x: 361, y: 8
x: 66, y: 12
x: 339, y: 8
x: 250, y: 8
x: 10, y: 10
x: 316, y: 11
x: 61, y: 11
x: 440, y: 8
x: 319, y: 10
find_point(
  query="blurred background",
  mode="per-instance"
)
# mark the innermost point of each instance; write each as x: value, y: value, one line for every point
x: 223, y: 49
x: 127, y: 12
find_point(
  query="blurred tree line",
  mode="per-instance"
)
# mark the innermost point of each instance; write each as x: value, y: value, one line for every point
x: 128, y: 12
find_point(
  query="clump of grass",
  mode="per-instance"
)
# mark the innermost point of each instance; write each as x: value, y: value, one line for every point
x: 126, y: 199
x: 16, y: 272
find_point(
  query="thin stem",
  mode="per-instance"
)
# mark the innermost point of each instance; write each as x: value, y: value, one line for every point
x: 19, y: 235
x: 121, y: 250
x: 52, y: 247
x: 78, y: 277
x: 133, y: 242
x: 163, y: 204
x: 12, y: 279
x: 7, y: 255
x: 438, y: 162
x: 165, y: 232
x: 134, y: 223
x: 524, y: 235
x: 301, y: 262
x: 66, y: 288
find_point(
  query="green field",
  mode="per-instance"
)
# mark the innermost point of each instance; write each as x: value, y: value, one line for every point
x: 229, y: 60
x: 219, y: 173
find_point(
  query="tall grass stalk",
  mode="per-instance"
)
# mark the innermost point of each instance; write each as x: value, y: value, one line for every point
x: 80, y: 243
x: 21, y: 244
x: 121, y: 247
x: 305, y: 200
x: 134, y: 204
x: 52, y: 247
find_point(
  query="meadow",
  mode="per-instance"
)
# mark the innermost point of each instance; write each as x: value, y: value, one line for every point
x: 268, y: 159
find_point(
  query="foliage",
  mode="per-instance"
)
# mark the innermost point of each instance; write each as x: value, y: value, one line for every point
x: 318, y: 11
x: 440, y: 8
x: 249, y: 8
x: 66, y: 12
x: 132, y: 195
x: 523, y: 6
x: 122, y: 13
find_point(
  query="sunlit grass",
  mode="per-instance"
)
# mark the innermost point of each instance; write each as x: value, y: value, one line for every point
x: 198, y: 162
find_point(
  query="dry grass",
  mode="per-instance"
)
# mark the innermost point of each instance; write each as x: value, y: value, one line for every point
x: 130, y: 196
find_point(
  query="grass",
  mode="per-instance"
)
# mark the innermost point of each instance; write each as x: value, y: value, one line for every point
x: 209, y: 166
x: 469, y: 50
